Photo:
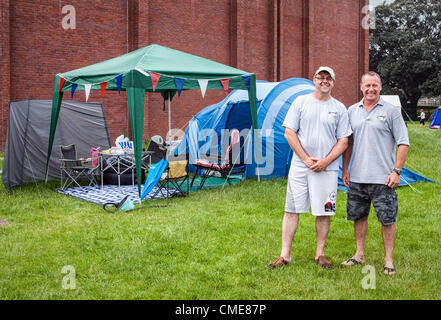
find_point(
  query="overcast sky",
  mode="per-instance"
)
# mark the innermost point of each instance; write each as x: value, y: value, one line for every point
x: 377, y: 2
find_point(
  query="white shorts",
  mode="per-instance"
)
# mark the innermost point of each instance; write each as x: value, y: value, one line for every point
x: 307, y: 188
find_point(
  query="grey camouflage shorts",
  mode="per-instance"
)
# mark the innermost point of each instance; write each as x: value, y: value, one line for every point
x: 383, y: 198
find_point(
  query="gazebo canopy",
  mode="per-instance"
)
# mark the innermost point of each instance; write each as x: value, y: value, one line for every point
x: 153, y: 69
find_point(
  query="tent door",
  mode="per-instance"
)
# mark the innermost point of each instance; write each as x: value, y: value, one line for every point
x: 239, y: 118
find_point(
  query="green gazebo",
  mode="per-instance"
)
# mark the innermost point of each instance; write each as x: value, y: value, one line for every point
x: 151, y: 69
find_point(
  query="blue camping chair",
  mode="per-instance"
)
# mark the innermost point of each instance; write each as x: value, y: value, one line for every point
x: 154, y: 175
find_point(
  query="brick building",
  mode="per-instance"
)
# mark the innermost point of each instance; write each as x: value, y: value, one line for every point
x: 275, y: 39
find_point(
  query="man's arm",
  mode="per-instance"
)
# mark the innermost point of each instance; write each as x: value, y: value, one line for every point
x: 296, y: 146
x: 336, y: 151
x: 345, y: 163
x: 393, y: 180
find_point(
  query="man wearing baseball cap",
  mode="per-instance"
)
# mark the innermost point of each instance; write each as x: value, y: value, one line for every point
x: 317, y: 130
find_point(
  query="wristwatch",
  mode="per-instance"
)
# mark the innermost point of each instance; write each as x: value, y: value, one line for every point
x: 398, y: 172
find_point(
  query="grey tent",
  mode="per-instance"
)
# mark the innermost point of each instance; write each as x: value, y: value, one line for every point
x: 82, y: 124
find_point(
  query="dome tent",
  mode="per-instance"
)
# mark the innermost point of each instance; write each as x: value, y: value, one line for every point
x: 435, y: 120
x: 205, y: 131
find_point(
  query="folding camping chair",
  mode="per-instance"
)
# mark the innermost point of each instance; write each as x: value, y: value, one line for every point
x: 223, y: 167
x: 74, y: 169
x: 174, y: 181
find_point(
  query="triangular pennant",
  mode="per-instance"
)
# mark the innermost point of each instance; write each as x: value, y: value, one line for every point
x: 87, y: 90
x: 155, y: 79
x: 225, y: 83
x: 203, y: 85
x: 103, y: 88
x: 246, y: 79
x: 118, y: 81
x: 62, y: 80
x: 179, y: 85
x: 74, y: 87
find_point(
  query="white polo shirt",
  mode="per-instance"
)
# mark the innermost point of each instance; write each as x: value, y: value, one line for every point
x: 376, y: 133
x: 318, y: 125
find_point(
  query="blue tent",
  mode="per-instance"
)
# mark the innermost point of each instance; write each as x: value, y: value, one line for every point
x: 435, y: 121
x: 208, y: 132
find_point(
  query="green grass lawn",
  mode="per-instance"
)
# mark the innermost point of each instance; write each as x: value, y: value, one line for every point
x: 215, y: 244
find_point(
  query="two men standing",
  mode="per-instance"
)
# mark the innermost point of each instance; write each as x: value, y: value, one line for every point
x: 317, y: 129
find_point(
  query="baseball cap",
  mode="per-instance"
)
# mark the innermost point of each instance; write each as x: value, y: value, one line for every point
x: 327, y: 69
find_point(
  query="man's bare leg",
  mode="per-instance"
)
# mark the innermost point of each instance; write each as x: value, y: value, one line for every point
x: 360, y: 232
x: 322, y: 224
x: 388, y: 233
x: 289, y: 227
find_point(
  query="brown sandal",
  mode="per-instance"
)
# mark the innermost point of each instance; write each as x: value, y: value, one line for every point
x: 323, y: 262
x: 278, y: 263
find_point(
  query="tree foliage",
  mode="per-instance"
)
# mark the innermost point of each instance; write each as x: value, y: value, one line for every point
x: 405, y: 49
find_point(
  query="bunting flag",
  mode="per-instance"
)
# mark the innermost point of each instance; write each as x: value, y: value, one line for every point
x: 74, y: 87
x: 62, y: 80
x: 246, y: 79
x: 179, y: 85
x: 155, y: 79
x: 225, y: 83
x: 118, y: 81
x: 87, y: 90
x: 203, y: 85
x: 103, y: 88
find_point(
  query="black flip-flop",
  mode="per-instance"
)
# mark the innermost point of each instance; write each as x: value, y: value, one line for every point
x: 354, y: 262
x: 389, y: 271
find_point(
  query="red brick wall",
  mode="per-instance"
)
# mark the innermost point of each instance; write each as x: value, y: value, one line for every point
x: 275, y: 39
x: 334, y: 41
x: 41, y: 48
x: 4, y: 70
